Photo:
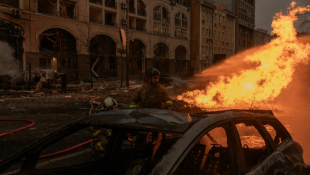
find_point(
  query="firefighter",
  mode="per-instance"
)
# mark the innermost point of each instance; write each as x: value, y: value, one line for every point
x: 151, y: 94
x: 101, y: 134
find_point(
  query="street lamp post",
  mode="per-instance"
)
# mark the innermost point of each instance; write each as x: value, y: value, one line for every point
x: 127, y: 45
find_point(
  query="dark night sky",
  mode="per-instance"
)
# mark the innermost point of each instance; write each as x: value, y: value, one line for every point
x: 266, y: 9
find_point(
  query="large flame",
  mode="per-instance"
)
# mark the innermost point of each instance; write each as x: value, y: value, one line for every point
x: 274, y: 68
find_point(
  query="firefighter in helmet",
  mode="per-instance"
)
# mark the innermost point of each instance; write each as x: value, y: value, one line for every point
x: 101, y: 134
x: 151, y: 94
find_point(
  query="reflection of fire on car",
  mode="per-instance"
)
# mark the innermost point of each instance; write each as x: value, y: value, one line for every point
x: 223, y: 142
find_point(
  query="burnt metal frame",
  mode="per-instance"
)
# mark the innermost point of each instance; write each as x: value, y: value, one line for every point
x: 281, y: 127
x: 230, y: 144
x: 262, y: 131
x: 32, y: 152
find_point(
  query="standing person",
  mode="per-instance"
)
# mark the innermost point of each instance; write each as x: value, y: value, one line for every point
x: 64, y: 82
x: 151, y: 94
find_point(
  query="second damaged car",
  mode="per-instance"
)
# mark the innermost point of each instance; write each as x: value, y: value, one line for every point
x: 223, y: 142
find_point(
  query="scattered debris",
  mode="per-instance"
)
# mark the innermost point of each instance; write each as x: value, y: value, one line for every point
x: 67, y: 96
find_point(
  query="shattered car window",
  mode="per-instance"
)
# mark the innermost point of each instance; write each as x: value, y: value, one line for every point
x: 210, y: 155
x: 143, y: 150
x: 82, y: 154
x: 253, y: 144
x: 276, y: 132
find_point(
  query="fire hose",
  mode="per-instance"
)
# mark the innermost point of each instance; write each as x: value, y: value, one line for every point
x: 19, y: 129
x: 47, y: 155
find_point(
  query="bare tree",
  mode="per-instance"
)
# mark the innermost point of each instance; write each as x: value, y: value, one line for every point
x: 87, y: 33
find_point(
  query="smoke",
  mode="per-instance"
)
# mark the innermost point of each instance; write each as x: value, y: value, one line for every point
x: 8, y: 64
x: 298, y: 90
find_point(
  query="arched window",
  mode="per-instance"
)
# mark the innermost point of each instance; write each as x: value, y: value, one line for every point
x: 183, y: 2
x: 59, y: 44
x: 161, y: 51
x: 181, y: 25
x: 103, y: 53
x: 161, y: 18
x: 141, y: 8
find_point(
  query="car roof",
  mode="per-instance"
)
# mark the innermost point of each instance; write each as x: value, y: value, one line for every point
x: 162, y: 120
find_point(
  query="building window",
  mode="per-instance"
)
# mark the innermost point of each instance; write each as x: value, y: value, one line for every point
x: 203, y: 50
x: 207, y: 33
x: 214, y: 34
x: 183, y: 2
x: 203, y: 13
x: 141, y: 8
x: 161, y: 20
x: 210, y: 51
x: 207, y: 50
x: 181, y: 25
x: 203, y: 32
x: 215, y: 18
x: 219, y: 35
x: 219, y: 18
x: 223, y: 36
x: 214, y: 49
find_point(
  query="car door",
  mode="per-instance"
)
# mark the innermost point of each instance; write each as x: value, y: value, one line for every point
x: 212, y: 152
x: 259, y: 152
x: 287, y: 156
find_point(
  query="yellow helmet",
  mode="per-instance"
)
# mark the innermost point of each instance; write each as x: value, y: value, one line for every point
x: 109, y: 102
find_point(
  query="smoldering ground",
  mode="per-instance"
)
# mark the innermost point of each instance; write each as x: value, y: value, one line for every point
x: 8, y: 63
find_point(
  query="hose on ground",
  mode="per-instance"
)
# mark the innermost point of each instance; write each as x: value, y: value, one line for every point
x: 47, y: 155
x: 19, y: 129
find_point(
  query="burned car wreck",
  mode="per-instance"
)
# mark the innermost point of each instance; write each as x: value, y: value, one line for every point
x: 223, y: 142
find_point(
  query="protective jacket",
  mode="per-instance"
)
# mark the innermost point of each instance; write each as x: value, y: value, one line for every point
x: 151, y: 96
x: 102, y: 135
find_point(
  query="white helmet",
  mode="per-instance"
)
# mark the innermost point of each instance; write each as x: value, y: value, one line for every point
x: 109, y: 102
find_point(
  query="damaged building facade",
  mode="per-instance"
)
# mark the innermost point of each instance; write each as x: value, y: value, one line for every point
x: 215, y: 26
x: 77, y: 36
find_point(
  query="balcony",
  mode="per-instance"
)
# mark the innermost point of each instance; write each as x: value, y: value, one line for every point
x: 14, y: 3
x: 132, y: 9
x: 99, y: 2
x: 182, y: 35
x: 141, y: 12
x: 110, y: 3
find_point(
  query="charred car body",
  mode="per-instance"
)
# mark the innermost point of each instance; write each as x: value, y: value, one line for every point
x: 224, y: 142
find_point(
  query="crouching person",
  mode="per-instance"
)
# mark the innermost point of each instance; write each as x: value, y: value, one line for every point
x: 102, y: 135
